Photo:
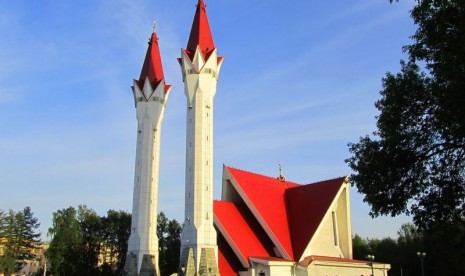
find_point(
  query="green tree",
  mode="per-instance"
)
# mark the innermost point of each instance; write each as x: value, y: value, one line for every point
x: 81, y: 238
x: 64, y: 252
x: 8, y: 258
x: 400, y: 253
x: 3, y: 224
x: 92, y: 239
x: 169, y: 243
x: 162, y: 230
x: 410, y: 241
x: 173, y: 241
x: 28, y: 235
x: 360, y: 248
x: 414, y: 163
x: 445, y: 250
x: 116, y: 231
x: 444, y: 247
x: 19, y: 238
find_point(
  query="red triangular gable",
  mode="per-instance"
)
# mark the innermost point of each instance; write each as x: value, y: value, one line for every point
x: 307, y: 205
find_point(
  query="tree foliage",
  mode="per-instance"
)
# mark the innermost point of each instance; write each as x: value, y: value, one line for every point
x: 169, y: 243
x: 116, y: 230
x: 64, y: 252
x: 19, y: 237
x: 84, y: 243
x: 444, y: 248
x: 7, y: 259
x: 414, y: 163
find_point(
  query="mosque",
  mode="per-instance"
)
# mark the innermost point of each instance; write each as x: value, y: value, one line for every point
x: 262, y: 225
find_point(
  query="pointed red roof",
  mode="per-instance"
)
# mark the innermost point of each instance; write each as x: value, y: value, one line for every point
x: 306, y: 207
x: 200, y: 33
x: 152, y: 67
x: 266, y: 194
x: 288, y: 211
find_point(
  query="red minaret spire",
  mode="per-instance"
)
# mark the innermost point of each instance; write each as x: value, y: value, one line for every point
x: 200, y: 34
x: 152, y: 68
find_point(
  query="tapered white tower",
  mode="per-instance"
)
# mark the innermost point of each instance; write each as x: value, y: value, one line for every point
x: 150, y: 96
x: 200, y: 69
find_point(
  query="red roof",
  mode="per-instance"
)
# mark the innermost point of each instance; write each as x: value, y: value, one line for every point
x: 200, y: 34
x: 268, y: 212
x: 306, y: 206
x: 286, y: 212
x: 228, y: 264
x: 239, y: 227
x: 265, y: 195
x: 152, y: 67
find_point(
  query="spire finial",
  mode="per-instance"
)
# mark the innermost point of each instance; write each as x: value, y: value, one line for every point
x: 281, y: 177
x: 154, y: 25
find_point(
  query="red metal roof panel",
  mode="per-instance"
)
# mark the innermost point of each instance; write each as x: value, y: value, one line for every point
x: 237, y: 227
x: 307, y: 205
x: 200, y: 33
x: 266, y: 194
x: 152, y: 67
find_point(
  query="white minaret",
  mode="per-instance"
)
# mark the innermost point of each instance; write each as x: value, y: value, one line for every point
x: 200, y: 69
x: 150, y: 96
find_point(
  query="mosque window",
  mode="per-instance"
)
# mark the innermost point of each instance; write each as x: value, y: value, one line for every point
x: 335, y: 228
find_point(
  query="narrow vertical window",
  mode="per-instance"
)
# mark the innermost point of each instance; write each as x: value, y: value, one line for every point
x: 333, y: 214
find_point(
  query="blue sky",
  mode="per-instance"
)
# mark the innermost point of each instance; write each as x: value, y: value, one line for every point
x: 299, y: 82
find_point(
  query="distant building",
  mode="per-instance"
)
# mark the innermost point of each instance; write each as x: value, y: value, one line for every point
x: 34, y: 266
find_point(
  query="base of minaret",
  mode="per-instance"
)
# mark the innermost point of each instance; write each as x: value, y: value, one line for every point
x: 207, y: 264
x: 148, y: 267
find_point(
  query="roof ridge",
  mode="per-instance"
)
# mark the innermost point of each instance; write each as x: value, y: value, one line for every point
x: 263, y: 175
x: 326, y: 180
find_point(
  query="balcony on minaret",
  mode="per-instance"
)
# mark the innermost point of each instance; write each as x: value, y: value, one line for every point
x: 151, y: 84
